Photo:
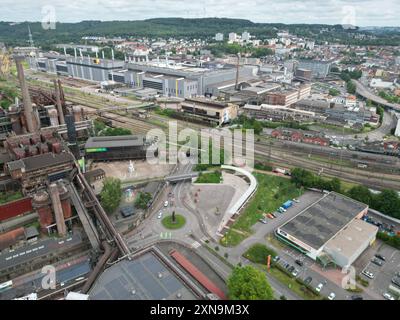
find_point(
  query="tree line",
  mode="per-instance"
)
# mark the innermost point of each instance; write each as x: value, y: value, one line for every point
x: 387, y: 201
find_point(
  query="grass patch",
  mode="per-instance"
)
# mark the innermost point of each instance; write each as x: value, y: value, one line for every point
x: 363, y: 282
x: 209, y: 177
x: 258, y: 253
x: 169, y: 224
x: 10, y: 196
x: 271, y: 193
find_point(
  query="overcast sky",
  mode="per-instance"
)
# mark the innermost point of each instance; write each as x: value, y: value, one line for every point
x: 359, y: 12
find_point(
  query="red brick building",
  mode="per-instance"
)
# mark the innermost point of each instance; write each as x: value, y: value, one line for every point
x: 300, y: 136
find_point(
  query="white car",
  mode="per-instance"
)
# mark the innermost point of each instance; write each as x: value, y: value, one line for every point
x: 332, y: 296
x: 295, y: 273
x: 296, y: 200
x: 166, y: 203
x: 159, y: 215
x: 388, y: 296
x: 368, y: 274
x: 319, y: 287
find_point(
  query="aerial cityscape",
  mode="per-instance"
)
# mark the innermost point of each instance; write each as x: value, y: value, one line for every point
x: 187, y: 152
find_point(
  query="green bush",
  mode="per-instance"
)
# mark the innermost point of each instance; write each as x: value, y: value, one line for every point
x: 258, y: 253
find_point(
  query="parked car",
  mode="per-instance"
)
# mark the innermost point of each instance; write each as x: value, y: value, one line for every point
x: 299, y: 262
x: 282, y: 209
x: 368, y: 274
x: 276, y: 259
x: 332, y: 296
x: 296, y: 200
x: 376, y: 261
x: 263, y: 220
x: 291, y: 269
x: 295, y: 273
x: 357, y: 297
x: 379, y: 256
x: 319, y: 287
x: 396, y: 281
x: 159, y: 215
x: 388, y: 296
x: 308, y: 280
x: 166, y: 203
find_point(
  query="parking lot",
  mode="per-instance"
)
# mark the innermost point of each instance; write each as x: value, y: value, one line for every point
x: 382, y: 274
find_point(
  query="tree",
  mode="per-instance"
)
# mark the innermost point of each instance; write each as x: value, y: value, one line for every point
x: 334, y: 92
x: 351, y: 87
x: 387, y: 202
x: 249, y: 283
x: 361, y: 193
x: 111, y: 194
x: 173, y: 217
x: 143, y: 199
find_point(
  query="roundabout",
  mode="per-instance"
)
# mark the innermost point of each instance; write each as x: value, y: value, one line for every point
x: 168, y: 222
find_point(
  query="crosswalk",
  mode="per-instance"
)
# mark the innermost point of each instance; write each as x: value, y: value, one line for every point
x: 195, y: 245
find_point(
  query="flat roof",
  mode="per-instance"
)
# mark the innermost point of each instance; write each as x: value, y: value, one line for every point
x: 352, y: 237
x: 115, y: 141
x: 143, y: 278
x: 41, y: 161
x: 323, y: 219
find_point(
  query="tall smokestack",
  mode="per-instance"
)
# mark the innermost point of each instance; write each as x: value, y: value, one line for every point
x: 28, y: 110
x: 58, y: 101
x: 237, y: 72
x: 58, y: 211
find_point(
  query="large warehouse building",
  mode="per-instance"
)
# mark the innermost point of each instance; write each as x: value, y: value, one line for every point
x: 167, y: 77
x: 116, y: 148
x: 330, y: 230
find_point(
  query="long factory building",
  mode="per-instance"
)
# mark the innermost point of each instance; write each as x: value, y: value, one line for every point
x: 169, y: 78
x: 330, y: 230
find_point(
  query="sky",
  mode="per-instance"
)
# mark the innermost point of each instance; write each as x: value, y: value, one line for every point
x: 356, y: 12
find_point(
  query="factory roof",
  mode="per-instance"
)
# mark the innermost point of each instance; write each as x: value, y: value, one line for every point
x: 206, y: 102
x: 323, y: 219
x: 143, y: 278
x: 43, y: 160
x: 352, y: 237
x: 115, y: 141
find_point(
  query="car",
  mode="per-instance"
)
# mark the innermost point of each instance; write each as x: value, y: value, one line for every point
x: 276, y: 258
x: 295, y: 273
x: 368, y: 274
x: 264, y: 221
x: 356, y: 297
x: 332, y: 296
x: 319, y: 287
x: 379, y: 256
x: 296, y: 200
x: 396, y: 281
x: 299, y: 262
x: 282, y: 209
x: 166, y: 203
x: 308, y: 280
x: 376, y: 261
x: 291, y: 269
x: 388, y: 296
x: 159, y: 215
x: 286, y: 265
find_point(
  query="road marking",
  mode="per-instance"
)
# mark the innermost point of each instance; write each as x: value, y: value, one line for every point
x: 195, y: 245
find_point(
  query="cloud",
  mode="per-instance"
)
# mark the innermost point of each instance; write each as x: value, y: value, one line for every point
x: 363, y: 12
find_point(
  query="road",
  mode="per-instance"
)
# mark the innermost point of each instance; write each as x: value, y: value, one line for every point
x: 363, y: 91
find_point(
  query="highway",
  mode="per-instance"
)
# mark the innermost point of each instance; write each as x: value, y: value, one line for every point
x: 364, y: 92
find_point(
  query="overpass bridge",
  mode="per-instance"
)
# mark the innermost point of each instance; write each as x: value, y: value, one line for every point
x: 364, y: 92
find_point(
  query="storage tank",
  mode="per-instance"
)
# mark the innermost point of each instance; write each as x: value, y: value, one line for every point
x: 77, y: 112
x: 65, y: 199
x: 53, y: 115
x: 41, y: 202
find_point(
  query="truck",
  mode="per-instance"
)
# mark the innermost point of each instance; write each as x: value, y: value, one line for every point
x: 287, y: 204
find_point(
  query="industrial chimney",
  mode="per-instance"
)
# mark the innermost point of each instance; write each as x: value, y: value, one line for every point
x: 28, y: 110
x: 58, y: 101
x: 58, y: 210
